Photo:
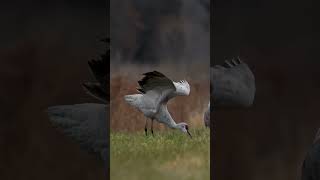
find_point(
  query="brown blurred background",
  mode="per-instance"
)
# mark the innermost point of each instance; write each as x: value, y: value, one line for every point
x: 279, y: 41
x: 43, y: 60
x: 171, y: 36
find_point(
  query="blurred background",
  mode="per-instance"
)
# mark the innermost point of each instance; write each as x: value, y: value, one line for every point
x: 279, y: 41
x: 44, y: 51
x: 169, y: 36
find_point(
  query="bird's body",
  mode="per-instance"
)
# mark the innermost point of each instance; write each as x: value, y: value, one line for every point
x: 155, y: 91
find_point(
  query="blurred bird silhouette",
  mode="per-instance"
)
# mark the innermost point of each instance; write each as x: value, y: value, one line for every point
x: 232, y: 85
x: 87, y: 123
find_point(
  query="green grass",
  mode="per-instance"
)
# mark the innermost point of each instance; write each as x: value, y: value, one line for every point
x: 168, y: 155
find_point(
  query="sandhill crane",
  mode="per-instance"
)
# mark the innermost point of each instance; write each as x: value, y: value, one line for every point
x: 87, y: 123
x: 311, y: 164
x: 232, y: 85
x: 155, y: 91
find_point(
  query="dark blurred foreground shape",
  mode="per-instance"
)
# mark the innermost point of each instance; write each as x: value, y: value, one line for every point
x: 279, y: 41
x: 311, y: 164
x: 44, y: 50
x: 232, y: 85
x: 86, y: 123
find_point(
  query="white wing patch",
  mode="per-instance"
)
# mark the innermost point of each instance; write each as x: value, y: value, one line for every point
x: 182, y: 88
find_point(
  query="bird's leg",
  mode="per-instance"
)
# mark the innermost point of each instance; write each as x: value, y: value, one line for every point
x: 145, y: 127
x: 152, y: 126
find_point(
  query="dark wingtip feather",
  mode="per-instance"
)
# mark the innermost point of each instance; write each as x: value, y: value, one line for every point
x: 153, y: 78
x: 140, y: 82
x: 141, y: 90
x: 232, y: 63
x: 96, y: 91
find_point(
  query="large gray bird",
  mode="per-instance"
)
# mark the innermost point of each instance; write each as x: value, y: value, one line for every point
x: 87, y: 123
x: 232, y: 85
x: 155, y: 92
x: 311, y: 164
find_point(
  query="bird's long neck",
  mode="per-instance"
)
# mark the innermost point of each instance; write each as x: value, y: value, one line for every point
x: 172, y: 124
x: 167, y: 118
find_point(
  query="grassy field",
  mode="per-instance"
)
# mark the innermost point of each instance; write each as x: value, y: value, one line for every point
x: 170, y: 154
x: 166, y: 155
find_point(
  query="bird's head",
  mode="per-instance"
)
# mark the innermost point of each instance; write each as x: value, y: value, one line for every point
x: 184, y: 128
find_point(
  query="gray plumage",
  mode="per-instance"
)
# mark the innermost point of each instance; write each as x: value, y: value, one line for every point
x: 155, y: 91
x: 232, y: 85
x: 311, y: 164
x: 87, y: 123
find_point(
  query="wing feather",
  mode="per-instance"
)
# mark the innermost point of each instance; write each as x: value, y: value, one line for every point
x: 84, y: 123
x: 232, y: 84
x: 155, y: 81
x: 99, y: 69
x: 158, y: 89
x: 95, y: 90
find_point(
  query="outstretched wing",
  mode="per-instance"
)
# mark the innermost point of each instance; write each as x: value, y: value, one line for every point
x: 160, y: 89
x: 157, y: 89
x: 311, y: 163
x: 232, y: 84
x: 155, y: 81
x: 84, y: 123
x: 99, y: 68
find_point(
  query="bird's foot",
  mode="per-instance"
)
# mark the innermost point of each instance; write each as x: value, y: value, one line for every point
x: 152, y: 132
x: 145, y: 130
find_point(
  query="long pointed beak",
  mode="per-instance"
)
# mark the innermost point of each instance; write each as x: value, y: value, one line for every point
x: 189, y: 134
